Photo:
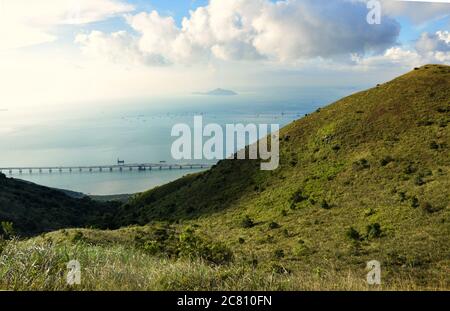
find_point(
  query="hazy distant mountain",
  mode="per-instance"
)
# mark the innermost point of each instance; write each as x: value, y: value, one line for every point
x: 218, y: 92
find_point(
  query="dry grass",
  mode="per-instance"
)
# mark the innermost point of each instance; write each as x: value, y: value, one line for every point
x: 42, y: 266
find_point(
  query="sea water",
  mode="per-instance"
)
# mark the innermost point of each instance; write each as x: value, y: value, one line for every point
x: 137, y: 131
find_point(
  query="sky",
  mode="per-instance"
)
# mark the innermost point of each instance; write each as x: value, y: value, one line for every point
x: 79, y: 52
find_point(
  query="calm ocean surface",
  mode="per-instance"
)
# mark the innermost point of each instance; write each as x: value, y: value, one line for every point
x: 138, y: 132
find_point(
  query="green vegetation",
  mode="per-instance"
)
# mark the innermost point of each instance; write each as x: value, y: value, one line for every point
x: 111, y: 260
x: 6, y: 230
x: 34, y: 209
x: 169, y: 242
x: 362, y: 179
x: 373, y: 231
x: 353, y: 234
x: 247, y: 222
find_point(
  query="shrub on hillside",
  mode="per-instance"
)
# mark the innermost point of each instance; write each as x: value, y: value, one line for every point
x: 298, y: 197
x: 336, y: 147
x: 247, y: 222
x: 3, y: 244
x: 434, y: 145
x: 293, y: 162
x: 369, y: 212
x: 415, y: 202
x: 353, y: 234
x: 153, y: 247
x: 7, y: 230
x: 278, y: 269
x: 374, y: 230
x: 386, y: 160
x: 402, y: 196
x: 279, y: 253
x: 192, y: 246
x: 443, y: 123
x: 361, y: 165
x: 425, y: 123
x: 409, y: 169
x: 78, y: 236
x: 324, y: 204
x: 418, y: 181
x: 161, y: 241
x: 274, y: 225
x: 427, y: 207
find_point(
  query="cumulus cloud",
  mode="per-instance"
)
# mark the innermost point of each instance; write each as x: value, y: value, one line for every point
x: 418, y: 12
x: 306, y: 29
x: 33, y: 21
x: 435, y: 46
x: 429, y: 48
x: 395, y: 56
x: 282, y: 31
x: 117, y: 47
x: 157, y: 33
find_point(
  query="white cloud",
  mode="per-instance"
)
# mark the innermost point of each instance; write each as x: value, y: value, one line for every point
x: 429, y: 48
x: 25, y: 23
x: 117, y: 47
x: 395, y: 56
x: 435, y: 46
x: 307, y: 29
x: 284, y: 31
x: 157, y: 33
x: 235, y: 43
x: 418, y: 12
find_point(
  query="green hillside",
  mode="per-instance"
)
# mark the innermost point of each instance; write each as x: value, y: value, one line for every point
x: 34, y: 209
x: 362, y: 179
x: 379, y: 148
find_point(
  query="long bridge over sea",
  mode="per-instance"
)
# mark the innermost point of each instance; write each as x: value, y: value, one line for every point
x: 104, y: 168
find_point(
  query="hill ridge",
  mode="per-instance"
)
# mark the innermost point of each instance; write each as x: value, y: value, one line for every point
x: 365, y: 178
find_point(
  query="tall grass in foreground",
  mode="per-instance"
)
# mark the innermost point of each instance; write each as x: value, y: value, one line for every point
x: 43, y: 267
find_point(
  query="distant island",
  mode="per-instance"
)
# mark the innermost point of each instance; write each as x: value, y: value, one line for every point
x: 218, y: 92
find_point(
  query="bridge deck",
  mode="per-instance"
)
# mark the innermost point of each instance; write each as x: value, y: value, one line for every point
x: 141, y: 166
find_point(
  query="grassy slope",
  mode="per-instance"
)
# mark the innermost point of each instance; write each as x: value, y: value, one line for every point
x: 376, y: 157
x: 35, y: 209
x: 399, y: 119
x: 322, y: 157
